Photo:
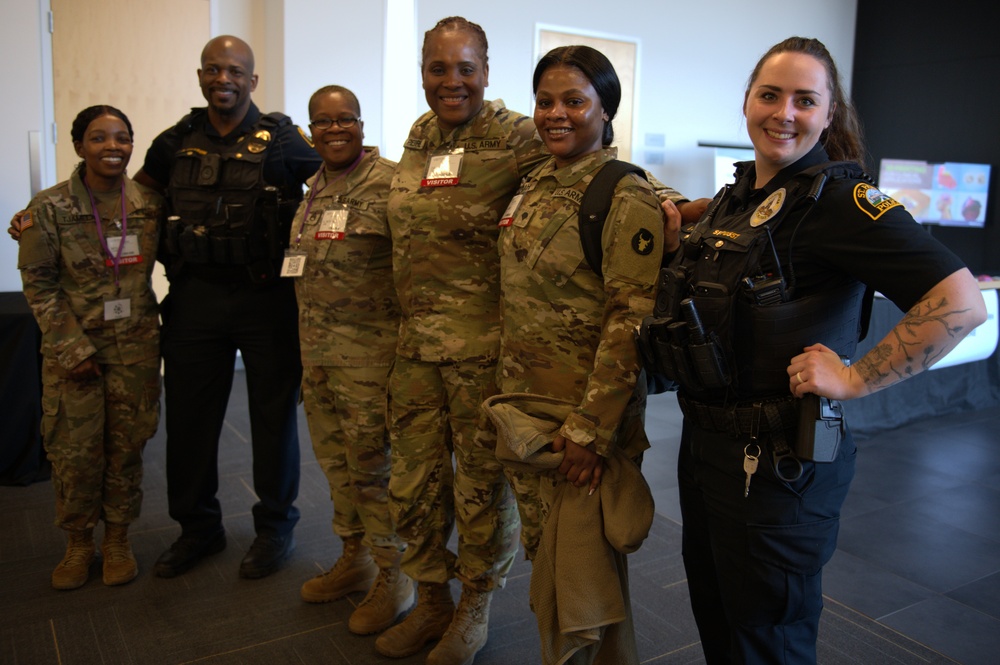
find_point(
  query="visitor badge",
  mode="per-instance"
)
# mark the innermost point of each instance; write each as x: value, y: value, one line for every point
x: 507, y: 218
x: 332, y: 224
x: 294, y: 263
x: 443, y: 169
x: 117, y: 309
x: 130, y: 251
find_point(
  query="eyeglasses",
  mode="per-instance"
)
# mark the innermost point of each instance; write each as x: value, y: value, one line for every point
x: 323, y: 124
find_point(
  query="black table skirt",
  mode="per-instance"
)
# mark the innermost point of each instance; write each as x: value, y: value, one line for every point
x: 22, y: 459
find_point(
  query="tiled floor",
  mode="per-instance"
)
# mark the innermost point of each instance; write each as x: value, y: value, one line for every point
x: 916, y: 578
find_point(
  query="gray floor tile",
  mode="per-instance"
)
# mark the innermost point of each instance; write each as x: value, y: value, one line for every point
x: 922, y: 519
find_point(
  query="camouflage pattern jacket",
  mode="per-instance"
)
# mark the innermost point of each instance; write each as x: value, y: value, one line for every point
x: 67, y: 279
x: 348, y: 310
x: 445, y: 261
x: 566, y: 333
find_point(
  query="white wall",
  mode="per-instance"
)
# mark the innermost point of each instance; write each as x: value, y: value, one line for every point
x: 335, y: 42
x: 21, y: 57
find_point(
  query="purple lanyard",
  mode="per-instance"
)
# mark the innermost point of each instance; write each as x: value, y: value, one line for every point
x: 316, y: 189
x: 116, y: 257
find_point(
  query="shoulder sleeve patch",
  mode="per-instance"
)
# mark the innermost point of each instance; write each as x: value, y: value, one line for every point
x: 633, y: 241
x: 642, y: 242
x: 26, y: 221
x: 873, y: 202
x: 305, y: 137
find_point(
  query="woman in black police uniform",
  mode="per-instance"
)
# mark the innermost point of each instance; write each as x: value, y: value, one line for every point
x: 777, y: 265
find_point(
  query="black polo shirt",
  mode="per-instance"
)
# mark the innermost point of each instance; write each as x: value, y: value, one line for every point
x: 844, y: 237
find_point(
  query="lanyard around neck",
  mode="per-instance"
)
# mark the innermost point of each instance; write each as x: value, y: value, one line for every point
x: 117, y: 256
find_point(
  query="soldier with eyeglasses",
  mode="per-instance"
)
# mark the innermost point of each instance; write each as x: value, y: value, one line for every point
x: 340, y: 258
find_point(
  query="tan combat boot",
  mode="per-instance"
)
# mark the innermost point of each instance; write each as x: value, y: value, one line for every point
x: 119, y: 562
x: 74, y: 569
x: 467, y: 633
x: 390, y: 596
x: 354, y: 571
x: 427, y: 622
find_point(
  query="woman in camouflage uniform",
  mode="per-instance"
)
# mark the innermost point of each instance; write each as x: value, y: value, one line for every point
x: 348, y: 323
x: 567, y: 331
x: 461, y: 164
x: 88, y: 246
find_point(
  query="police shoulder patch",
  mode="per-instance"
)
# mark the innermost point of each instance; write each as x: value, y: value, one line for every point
x: 873, y: 202
x: 305, y: 136
x: 642, y: 242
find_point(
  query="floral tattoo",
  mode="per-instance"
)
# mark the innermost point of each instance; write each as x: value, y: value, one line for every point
x: 877, y: 368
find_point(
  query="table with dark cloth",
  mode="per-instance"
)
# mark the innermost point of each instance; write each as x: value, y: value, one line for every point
x: 22, y: 459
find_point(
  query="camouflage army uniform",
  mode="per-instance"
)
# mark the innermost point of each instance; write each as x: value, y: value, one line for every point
x: 446, y: 269
x: 348, y: 325
x: 94, y: 430
x: 566, y: 333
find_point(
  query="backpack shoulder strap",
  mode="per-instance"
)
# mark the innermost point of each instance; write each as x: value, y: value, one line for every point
x: 595, y: 206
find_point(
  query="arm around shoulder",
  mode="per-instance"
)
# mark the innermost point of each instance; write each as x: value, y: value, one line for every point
x: 146, y: 180
x: 691, y: 211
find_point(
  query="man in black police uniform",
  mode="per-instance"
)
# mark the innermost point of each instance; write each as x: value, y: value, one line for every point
x: 233, y: 177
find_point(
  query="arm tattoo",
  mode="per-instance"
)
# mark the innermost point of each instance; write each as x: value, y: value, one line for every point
x: 911, y: 343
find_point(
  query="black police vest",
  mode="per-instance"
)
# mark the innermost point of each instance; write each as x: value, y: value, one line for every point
x: 748, y: 308
x: 222, y: 210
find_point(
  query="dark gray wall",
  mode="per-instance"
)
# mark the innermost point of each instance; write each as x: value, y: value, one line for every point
x: 926, y: 83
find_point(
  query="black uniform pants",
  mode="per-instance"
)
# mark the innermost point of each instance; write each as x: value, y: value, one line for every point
x: 205, y: 322
x: 754, y: 564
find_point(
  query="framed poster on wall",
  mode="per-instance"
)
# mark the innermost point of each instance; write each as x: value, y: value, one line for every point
x: 623, y: 52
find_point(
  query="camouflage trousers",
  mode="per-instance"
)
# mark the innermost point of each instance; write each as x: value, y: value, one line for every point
x: 530, y: 489
x: 94, y: 432
x: 433, y: 414
x: 345, y: 409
